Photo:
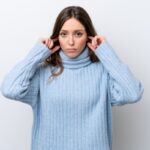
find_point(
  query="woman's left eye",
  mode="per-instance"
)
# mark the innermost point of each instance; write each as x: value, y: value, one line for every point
x: 78, y: 34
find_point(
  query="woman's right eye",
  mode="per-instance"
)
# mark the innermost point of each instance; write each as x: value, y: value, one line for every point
x: 63, y: 34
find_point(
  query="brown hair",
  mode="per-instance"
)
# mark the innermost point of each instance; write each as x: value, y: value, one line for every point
x: 83, y: 17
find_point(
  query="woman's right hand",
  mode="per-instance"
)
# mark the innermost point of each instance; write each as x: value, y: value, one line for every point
x: 50, y: 43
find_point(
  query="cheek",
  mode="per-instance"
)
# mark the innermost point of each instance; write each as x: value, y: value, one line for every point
x: 82, y: 42
x: 61, y: 42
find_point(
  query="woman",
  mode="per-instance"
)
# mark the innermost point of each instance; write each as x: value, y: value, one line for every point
x: 71, y: 80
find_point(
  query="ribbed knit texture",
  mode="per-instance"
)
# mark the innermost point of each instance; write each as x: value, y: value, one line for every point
x: 73, y: 110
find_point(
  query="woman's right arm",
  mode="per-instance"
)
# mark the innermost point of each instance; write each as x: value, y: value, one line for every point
x: 22, y: 82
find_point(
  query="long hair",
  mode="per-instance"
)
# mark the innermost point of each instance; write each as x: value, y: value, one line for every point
x: 83, y: 17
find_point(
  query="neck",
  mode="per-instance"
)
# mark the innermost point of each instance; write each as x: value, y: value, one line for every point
x: 80, y: 61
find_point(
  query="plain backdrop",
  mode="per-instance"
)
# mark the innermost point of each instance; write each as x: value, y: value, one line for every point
x: 126, y: 26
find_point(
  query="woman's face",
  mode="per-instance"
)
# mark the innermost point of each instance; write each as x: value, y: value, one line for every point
x: 72, y: 38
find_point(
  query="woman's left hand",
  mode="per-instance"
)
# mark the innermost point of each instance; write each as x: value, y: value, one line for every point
x: 95, y: 42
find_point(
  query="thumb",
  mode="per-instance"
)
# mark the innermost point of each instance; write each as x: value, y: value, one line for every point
x: 90, y: 46
x: 56, y: 48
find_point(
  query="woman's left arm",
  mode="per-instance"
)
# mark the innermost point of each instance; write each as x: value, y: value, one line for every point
x: 123, y: 87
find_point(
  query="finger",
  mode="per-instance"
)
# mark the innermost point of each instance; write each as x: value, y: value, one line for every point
x: 90, y: 46
x: 100, y: 39
x: 90, y: 37
x: 97, y: 40
x: 56, y: 48
x: 48, y: 42
x: 55, y: 39
x: 94, y: 42
x: 51, y: 44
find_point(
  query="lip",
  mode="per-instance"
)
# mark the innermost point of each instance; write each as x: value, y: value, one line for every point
x: 71, y: 49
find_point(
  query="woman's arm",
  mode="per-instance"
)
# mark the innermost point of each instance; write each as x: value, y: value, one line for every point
x: 123, y: 87
x: 22, y: 82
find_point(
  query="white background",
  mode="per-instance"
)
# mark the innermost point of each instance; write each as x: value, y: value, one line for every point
x: 126, y: 26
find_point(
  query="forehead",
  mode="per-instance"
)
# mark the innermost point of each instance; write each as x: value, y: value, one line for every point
x: 72, y: 24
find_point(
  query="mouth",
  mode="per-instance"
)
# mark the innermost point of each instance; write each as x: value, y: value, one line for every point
x: 71, y: 50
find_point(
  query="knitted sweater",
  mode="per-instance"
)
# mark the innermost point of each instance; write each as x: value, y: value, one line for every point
x: 72, y: 111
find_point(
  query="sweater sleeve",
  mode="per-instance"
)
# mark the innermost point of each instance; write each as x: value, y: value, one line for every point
x: 22, y: 82
x: 123, y: 87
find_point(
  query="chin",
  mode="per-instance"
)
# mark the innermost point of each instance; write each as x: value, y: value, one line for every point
x: 72, y: 55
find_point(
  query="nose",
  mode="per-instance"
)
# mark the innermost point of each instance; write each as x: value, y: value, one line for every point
x: 71, y: 40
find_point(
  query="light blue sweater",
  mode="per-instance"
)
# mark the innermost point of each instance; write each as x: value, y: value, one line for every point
x: 72, y: 111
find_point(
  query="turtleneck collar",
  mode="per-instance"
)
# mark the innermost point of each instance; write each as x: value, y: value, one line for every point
x: 80, y: 61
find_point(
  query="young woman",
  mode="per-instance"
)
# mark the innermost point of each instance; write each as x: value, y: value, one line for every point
x: 71, y: 80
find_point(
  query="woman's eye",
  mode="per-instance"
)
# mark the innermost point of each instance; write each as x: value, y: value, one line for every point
x: 79, y: 34
x: 63, y: 34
